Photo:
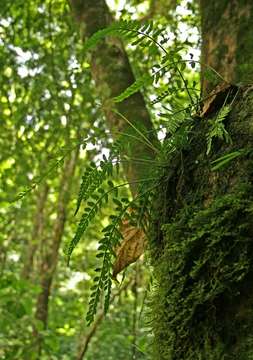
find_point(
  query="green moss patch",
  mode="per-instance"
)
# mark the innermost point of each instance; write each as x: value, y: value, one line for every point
x: 205, y: 280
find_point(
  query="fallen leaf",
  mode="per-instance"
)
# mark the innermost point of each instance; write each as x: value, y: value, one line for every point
x: 130, y: 249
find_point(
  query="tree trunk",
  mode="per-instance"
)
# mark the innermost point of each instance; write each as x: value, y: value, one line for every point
x: 203, y: 305
x: 227, y: 39
x: 112, y: 74
x: 36, y: 232
x: 49, y: 258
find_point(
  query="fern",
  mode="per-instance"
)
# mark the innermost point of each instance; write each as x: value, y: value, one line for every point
x: 217, y: 128
x: 225, y: 159
x: 52, y: 168
x: 92, y: 179
x: 137, y: 33
x: 88, y: 215
x: 91, y: 190
x: 144, y: 81
x: 173, y: 121
x: 129, y: 30
x: 103, y: 282
x: 112, y: 237
x: 135, y: 87
x: 93, y: 194
x: 146, y: 35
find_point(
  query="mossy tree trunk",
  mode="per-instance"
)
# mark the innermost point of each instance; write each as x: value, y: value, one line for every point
x: 203, y: 261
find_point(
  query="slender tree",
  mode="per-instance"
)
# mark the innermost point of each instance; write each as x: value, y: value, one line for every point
x: 50, y: 248
x: 36, y: 232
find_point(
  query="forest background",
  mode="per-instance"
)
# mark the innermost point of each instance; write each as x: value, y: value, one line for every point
x: 50, y: 105
x: 83, y: 119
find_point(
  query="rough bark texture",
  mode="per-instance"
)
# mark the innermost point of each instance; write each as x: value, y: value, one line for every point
x: 50, y: 247
x: 203, y: 307
x: 112, y: 73
x: 203, y: 258
x: 227, y: 43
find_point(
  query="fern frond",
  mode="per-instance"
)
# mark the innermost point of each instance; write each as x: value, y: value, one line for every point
x: 87, y: 216
x: 136, y: 212
x: 123, y: 29
x: 128, y: 30
x: 225, y: 159
x: 173, y: 122
x: 217, y: 128
x: 103, y: 282
x: 54, y: 164
x: 135, y: 87
x: 92, y: 179
x: 223, y: 113
x: 97, y: 200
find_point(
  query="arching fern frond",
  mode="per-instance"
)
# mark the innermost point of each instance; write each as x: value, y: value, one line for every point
x: 130, y: 30
x: 103, y: 282
x: 111, y: 239
x: 55, y: 163
x: 93, y: 206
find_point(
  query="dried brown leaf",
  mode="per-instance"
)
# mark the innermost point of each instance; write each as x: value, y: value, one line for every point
x: 215, y: 98
x: 131, y: 248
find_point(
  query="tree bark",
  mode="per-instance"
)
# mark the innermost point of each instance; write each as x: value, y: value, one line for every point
x: 112, y: 73
x: 227, y: 40
x: 50, y: 247
x: 203, y: 305
x: 203, y: 262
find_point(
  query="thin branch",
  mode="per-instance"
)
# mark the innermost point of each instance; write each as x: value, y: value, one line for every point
x: 87, y: 339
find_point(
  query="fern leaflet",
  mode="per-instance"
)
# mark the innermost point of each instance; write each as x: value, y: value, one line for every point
x: 132, y: 30
x: 135, y: 87
x: 92, y: 179
x: 217, y: 128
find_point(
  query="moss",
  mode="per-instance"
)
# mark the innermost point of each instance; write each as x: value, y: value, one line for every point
x: 244, y: 52
x: 207, y: 259
x: 202, y: 305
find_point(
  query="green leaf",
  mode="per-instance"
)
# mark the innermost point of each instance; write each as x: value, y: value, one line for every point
x: 135, y: 87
